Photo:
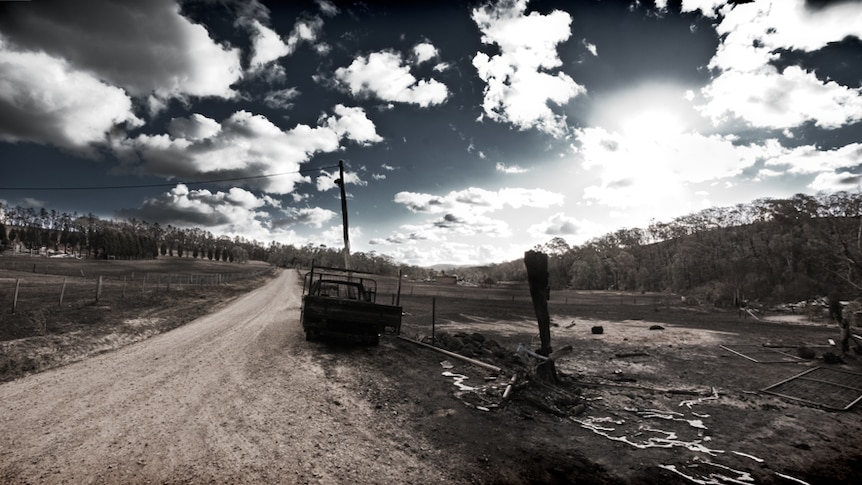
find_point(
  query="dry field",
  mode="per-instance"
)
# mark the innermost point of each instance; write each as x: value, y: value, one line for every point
x: 649, y: 405
x: 137, y: 299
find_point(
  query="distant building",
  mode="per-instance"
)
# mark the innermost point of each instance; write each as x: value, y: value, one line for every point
x: 446, y: 280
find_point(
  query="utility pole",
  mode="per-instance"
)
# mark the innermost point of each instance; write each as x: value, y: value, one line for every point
x: 340, y: 183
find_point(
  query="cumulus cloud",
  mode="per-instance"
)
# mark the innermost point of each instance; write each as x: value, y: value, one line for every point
x: 46, y: 100
x: 70, y: 73
x: 508, y: 169
x: 424, y: 51
x: 235, y: 212
x: 334, y: 235
x: 468, y: 224
x: 769, y: 99
x: 478, y: 200
x: 556, y: 225
x: 465, y: 213
x: 312, y: 216
x: 243, y: 145
x: 305, y: 30
x: 399, y: 238
x: 327, y: 180
x: 327, y: 7
x: 829, y: 170
x: 145, y: 48
x: 383, y: 75
x: 749, y: 85
x: 438, y: 229
x: 809, y: 159
x: 708, y: 8
x: 352, y: 123
x: 231, y: 211
x: 282, y: 98
x: 266, y: 45
x: 453, y: 252
x: 519, y: 87
x: 836, y: 181
x: 631, y: 167
x: 194, y: 128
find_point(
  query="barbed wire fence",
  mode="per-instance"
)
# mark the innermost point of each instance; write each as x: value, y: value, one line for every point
x: 33, y: 291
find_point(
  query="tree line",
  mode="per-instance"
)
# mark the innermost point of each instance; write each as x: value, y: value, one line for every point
x: 769, y: 249
x: 90, y: 236
x: 289, y: 256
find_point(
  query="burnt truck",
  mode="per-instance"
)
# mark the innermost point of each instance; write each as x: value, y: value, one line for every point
x: 342, y: 303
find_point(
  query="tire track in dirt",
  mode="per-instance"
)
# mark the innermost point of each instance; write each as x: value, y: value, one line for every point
x: 236, y: 396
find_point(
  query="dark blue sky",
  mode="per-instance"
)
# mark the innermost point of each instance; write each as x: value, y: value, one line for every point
x: 471, y: 131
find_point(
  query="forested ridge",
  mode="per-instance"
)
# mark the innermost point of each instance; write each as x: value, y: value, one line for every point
x: 769, y: 249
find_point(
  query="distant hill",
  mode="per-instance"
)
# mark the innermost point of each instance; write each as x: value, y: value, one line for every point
x: 768, y: 250
x: 448, y: 267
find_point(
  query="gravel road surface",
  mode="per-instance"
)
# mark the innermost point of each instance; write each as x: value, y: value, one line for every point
x: 236, y: 396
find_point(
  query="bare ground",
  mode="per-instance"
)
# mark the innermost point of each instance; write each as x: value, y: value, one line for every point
x: 239, y: 396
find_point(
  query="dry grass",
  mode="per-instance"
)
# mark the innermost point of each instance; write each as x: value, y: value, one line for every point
x: 43, y: 334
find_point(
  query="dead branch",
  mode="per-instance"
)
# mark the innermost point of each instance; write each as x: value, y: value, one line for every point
x: 475, y: 362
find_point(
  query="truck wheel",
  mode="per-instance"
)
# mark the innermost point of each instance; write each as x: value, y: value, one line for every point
x: 310, y: 335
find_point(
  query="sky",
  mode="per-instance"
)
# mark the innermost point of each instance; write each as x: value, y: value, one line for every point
x: 470, y: 132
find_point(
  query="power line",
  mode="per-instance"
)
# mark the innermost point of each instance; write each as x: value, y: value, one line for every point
x: 168, y: 184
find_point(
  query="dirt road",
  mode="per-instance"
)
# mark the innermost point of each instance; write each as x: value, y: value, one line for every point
x: 236, y: 396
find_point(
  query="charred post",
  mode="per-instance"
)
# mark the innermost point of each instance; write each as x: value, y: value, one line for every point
x: 540, y: 292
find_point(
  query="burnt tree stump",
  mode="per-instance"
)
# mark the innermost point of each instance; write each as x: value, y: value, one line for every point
x: 540, y: 292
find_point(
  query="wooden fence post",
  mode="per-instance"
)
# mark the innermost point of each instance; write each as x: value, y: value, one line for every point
x: 99, y: 289
x: 433, y: 318
x: 398, y: 298
x: 124, y: 287
x: 15, y: 298
x: 62, y: 292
